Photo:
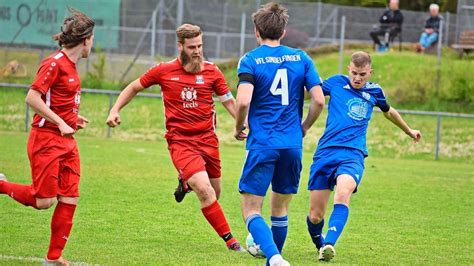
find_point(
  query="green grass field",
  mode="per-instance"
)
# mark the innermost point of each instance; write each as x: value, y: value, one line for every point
x: 143, y: 120
x: 410, y: 209
x: 407, y: 211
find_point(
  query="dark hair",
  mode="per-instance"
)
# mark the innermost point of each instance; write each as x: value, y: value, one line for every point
x: 361, y: 59
x: 270, y: 21
x: 187, y: 31
x: 75, y: 29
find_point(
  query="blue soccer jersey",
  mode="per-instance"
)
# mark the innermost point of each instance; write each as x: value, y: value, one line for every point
x: 280, y: 75
x: 349, y: 112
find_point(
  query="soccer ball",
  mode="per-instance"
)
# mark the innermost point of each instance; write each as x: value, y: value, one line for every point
x: 253, y: 248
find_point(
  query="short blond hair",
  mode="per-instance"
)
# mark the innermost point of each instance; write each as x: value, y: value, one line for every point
x: 361, y: 59
x: 187, y: 31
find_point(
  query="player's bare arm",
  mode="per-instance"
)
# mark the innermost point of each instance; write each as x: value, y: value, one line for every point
x: 230, y: 105
x: 244, y: 96
x: 33, y: 99
x: 394, y: 116
x: 124, y: 98
x: 315, y: 108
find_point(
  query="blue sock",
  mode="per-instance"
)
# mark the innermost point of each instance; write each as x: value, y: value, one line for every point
x: 315, y: 231
x: 336, y: 223
x: 262, y: 235
x: 279, y: 230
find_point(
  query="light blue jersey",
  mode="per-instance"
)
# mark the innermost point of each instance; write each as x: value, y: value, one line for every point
x: 280, y: 75
x: 349, y: 112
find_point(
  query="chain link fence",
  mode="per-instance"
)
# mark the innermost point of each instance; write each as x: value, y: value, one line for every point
x: 138, y: 33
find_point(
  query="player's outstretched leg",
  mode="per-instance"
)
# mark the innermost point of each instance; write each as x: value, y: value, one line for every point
x: 344, y: 189
x: 20, y: 193
x: 211, y: 209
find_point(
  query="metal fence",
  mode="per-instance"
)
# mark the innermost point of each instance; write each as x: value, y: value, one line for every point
x: 146, y: 29
x: 112, y: 94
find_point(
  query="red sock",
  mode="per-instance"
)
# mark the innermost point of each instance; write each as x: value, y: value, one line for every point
x: 215, y: 216
x: 61, y: 225
x: 20, y: 193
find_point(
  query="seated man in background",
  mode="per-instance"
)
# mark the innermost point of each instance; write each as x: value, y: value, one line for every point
x: 431, y: 32
x: 390, y: 23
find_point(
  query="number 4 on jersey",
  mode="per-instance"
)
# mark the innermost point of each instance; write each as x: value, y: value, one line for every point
x: 281, y: 77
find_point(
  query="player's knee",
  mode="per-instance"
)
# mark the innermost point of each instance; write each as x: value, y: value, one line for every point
x: 45, y: 203
x: 343, y: 197
x: 316, y: 215
x: 205, y: 193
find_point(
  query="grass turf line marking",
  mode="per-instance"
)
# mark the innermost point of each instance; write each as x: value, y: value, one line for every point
x: 36, y: 259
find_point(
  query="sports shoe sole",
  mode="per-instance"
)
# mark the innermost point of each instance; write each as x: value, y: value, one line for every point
x: 327, y: 253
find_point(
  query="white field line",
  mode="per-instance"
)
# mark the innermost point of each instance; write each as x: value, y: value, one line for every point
x: 36, y: 259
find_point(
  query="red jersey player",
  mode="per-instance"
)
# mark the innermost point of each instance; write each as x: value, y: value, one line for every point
x: 52, y: 149
x: 187, y: 85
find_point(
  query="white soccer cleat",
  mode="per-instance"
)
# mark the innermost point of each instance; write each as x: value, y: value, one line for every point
x: 327, y: 253
x: 278, y: 260
x: 3, y: 177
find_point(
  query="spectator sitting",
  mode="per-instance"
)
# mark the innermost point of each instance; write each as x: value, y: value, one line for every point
x: 391, y: 23
x: 430, y: 35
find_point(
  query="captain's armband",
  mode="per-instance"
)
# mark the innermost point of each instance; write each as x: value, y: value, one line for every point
x: 225, y: 97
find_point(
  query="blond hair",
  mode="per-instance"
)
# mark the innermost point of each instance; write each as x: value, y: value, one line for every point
x: 187, y: 31
x: 361, y: 59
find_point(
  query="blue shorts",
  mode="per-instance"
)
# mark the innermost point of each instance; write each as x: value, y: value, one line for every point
x: 280, y: 167
x: 329, y: 163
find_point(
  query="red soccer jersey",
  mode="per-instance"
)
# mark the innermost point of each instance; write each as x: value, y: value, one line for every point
x: 189, y: 107
x: 59, y: 84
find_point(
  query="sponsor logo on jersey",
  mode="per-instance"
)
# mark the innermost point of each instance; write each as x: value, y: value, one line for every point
x: 358, y: 109
x: 71, y: 80
x: 347, y: 87
x: 174, y: 78
x: 189, y: 96
x: 199, y: 79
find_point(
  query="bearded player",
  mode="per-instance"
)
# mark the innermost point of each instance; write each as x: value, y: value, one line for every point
x: 187, y: 84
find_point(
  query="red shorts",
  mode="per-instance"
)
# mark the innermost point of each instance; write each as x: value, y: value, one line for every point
x: 193, y: 156
x: 55, y: 164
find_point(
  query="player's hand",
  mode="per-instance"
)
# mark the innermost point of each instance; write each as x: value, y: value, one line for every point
x: 415, y: 135
x: 239, y: 134
x: 81, y: 122
x: 113, y: 120
x: 66, y: 130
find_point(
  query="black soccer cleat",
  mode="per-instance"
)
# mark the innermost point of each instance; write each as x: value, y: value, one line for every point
x: 180, y: 191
